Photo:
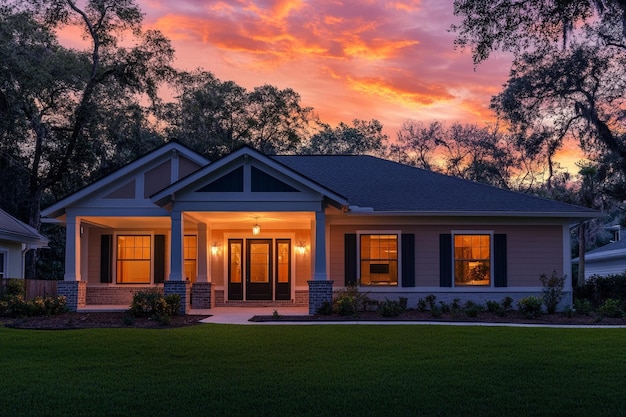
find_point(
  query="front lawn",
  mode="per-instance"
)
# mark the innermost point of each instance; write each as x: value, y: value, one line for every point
x: 326, y: 370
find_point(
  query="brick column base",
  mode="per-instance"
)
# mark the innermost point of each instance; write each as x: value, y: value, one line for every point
x: 319, y: 292
x: 75, y: 293
x: 202, y: 295
x: 181, y: 288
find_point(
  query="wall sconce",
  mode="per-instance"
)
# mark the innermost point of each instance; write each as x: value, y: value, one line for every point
x: 256, y: 229
x: 301, y: 248
x: 214, y: 249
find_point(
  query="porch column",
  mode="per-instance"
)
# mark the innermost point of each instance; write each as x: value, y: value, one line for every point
x: 201, y: 291
x: 203, y: 258
x: 72, y: 288
x: 176, y: 284
x: 176, y: 247
x: 320, y: 288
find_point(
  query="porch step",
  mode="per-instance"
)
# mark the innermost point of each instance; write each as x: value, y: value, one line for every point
x: 259, y: 303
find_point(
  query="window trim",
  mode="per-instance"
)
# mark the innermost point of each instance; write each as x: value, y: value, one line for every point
x: 398, y: 234
x: 491, y: 257
x: 4, y: 263
x: 115, y: 257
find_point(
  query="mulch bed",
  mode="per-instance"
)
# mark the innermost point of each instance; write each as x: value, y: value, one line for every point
x: 426, y: 316
x: 96, y: 320
x: 68, y: 321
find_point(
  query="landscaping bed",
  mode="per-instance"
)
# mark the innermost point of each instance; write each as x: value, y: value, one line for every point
x: 97, y: 320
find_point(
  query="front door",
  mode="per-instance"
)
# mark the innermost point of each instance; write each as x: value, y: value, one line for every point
x: 259, y: 269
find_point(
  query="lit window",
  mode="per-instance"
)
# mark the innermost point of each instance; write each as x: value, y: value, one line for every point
x: 190, y: 248
x: 379, y: 259
x: 133, y: 259
x: 472, y: 260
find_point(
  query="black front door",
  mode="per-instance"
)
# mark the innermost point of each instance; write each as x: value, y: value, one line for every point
x: 259, y: 269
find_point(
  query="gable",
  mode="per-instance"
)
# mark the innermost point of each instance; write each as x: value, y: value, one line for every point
x: 243, y: 181
x: 132, y: 185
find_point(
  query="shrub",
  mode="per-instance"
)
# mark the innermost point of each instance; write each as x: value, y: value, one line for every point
x: 530, y: 306
x: 436, y: 311
x: 494, y: 306
x: 390, y: 308
x: 12, y: 287
x: 598, y: 289
x: 583, y: 307
x: 17, y: 306
x: 445, y: 308
x: 507, y: 303
x: 611, y: 308
x: 472, y: 309
x: 421, y: 304
x: 153, y: 304
x: 552, y: 290
x: 430, y: 300
x: 350, y: 300
x: 326, y: 309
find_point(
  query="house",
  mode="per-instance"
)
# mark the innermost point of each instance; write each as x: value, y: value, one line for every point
x: 606, y: 260
x: 16, y: 238
x: 253, y: 229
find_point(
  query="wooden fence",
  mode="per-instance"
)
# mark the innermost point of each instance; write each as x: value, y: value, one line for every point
x: 34, y: 288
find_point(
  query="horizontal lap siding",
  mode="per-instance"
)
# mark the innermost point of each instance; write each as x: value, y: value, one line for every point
x: 531, y: 251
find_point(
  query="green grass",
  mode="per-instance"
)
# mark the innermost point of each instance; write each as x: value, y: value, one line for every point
x: 329, y: 370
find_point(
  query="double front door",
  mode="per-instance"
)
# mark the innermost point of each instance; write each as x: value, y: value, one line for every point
x: 259, y: 269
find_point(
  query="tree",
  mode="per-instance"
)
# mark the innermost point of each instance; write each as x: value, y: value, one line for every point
x: 417, y: 144
x: 568, y: 77
x: 66, y: 113
x: 362, y: 138
x: 215, y: 117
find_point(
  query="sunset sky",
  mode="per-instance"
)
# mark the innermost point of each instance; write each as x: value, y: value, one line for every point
x: 390, y: 60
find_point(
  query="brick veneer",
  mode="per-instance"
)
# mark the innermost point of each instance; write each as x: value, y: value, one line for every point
x: 181, y: 288
x: 202, y: 295
x: 319, y: 292
x: 118, y: 295
x: 75, y: 293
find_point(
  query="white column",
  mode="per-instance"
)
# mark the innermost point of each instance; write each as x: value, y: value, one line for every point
x: 319, y: 247
x: 203, y: 264
x: 176, y: 247
x: 72, y: 248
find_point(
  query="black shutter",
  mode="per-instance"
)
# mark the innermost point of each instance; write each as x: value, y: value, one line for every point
x: 445, y: 260
x: 408, y: 260
x: 159, y: 259
x: 499, y: 260
x: 349, y: 268
x: 106, y: 263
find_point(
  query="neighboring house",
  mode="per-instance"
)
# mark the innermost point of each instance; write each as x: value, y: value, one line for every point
x: 606, y: 260
x: 252, y: 229
x: 16, y: 238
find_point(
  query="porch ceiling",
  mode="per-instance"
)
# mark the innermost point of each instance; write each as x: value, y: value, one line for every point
x: 269, y: 220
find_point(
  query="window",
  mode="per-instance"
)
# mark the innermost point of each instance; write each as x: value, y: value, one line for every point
x: 133, y: 259
x: 190, y: 249
x: 378, y: 259
x: 2, y: 267
x: 472, y: 259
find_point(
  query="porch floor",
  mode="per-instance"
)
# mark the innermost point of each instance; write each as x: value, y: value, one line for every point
x: 223, y: 315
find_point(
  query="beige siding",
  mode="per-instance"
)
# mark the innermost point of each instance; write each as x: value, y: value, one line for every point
x: 532, y: 251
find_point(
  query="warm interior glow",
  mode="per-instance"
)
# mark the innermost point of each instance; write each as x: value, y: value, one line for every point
x: 214, y: 249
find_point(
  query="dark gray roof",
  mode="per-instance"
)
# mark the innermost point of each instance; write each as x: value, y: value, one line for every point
x: 13, y: 230
x: 620, y: 244
x: 385, y: 185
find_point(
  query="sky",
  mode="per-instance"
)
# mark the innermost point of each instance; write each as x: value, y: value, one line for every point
x: 390, y: 60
